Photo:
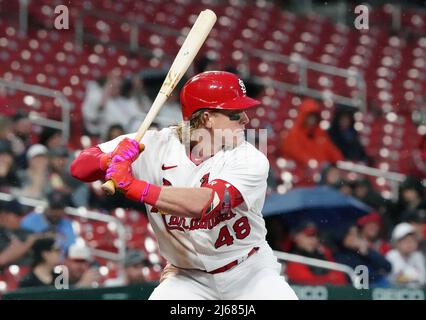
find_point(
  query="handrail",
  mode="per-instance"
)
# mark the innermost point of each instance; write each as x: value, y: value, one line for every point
x: 65, y: 104
x: 134, y: 29
x: 306, y: 65
x: 284, y: 256
x: 394, y: 177
x: 87, y: 214
x: 302, y: 90
x: 143, y: 24
x: 370, y: 171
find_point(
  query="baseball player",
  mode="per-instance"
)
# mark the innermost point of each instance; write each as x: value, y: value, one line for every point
x: 204, y: 205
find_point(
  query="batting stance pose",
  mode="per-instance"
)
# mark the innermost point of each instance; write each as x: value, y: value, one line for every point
x: 204, y: 205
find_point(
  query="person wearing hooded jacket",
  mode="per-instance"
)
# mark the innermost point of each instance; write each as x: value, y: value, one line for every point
x: 306, y: 140
x: 344, y: 135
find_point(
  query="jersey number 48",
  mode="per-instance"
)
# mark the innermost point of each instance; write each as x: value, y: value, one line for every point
x: 241, y: 229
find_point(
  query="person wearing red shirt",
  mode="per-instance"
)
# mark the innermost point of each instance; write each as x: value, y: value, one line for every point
x: 306, y: 243
x: 370, y: 228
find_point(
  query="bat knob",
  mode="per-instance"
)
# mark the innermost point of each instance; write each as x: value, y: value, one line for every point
x: 108, y: 187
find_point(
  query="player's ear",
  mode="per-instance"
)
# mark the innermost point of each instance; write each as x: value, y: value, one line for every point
x: 207, y: 120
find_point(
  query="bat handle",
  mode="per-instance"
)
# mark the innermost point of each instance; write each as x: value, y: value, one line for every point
x: 108, y: 187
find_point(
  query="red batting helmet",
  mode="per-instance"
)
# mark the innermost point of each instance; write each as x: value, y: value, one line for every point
x: 214, y: 90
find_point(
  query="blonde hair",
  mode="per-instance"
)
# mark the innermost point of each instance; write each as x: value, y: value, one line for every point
x: 185, y: 128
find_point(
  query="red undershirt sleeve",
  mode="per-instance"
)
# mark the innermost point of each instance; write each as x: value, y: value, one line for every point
x: 86, y: 167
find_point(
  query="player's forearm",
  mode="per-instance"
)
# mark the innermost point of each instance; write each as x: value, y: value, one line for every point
x: 87, y: 166
x: 184, y: 202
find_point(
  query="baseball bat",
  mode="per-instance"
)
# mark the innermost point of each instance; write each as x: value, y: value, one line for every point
x: 189, y: 49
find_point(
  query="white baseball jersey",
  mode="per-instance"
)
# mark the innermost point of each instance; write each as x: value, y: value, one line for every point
x: 215, y: 242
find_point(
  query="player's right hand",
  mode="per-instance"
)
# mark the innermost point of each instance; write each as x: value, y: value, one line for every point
x: 120, y: 172
x: 126, y: 150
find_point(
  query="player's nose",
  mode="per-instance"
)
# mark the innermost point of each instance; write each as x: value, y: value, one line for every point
x: 244, y: 118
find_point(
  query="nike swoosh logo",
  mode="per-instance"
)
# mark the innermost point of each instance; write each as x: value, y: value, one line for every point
x: 163, y: 167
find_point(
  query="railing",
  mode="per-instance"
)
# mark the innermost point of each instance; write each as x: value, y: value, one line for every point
x: 34, y: 116
x: 395, y: 178
x: 302, y: 87
x: 135, y: 27
x: 284, y: 256
x: 40, y: 205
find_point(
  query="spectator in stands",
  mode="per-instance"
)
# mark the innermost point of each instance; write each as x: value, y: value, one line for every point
x: 46, y: 256
x: 51, y: 137
x: 354, y: 251
x: 306, y: 142
x: 418, y: 220
x: 346, y: 187
x: 98, y: 93
x: 133, y: 87
x: 364, y: 192
x: 108, y: 105
x: 411, y: 198
x: 331, y: 176
x: 114, y: 131
x: 8, y: 174
x: 343, y: 134
x: 7, y: 133
x: 370, y: 227
x: 34, y: 178
x: 15, y: 243
x: 80, y: 271
x: 408, y: 264
x: 124, y: 109
x: 22, y: 127
x: 278, y: 236
x: 306, y: 243
x: 134, y: 265
x: 53, y: 219
x: 170, y: 114
x: 59, y: 177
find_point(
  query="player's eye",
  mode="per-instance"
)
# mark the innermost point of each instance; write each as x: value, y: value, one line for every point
x: 234, y: 116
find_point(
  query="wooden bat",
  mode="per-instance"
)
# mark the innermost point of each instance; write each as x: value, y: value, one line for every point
x: 192, y: 44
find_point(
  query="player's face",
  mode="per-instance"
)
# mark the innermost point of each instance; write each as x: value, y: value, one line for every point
x: 229, y: 125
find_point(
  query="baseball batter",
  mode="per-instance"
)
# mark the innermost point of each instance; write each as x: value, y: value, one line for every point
x: 204, y: 188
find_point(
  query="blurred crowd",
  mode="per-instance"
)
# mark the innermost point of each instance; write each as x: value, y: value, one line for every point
x: 34, y: 162
x: 390, y: 240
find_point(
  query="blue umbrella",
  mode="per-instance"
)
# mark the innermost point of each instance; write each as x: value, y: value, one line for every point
x: 325, y: 206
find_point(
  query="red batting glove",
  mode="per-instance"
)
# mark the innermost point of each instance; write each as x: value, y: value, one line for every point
x: 120, y: 172
x: 127, y: 149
